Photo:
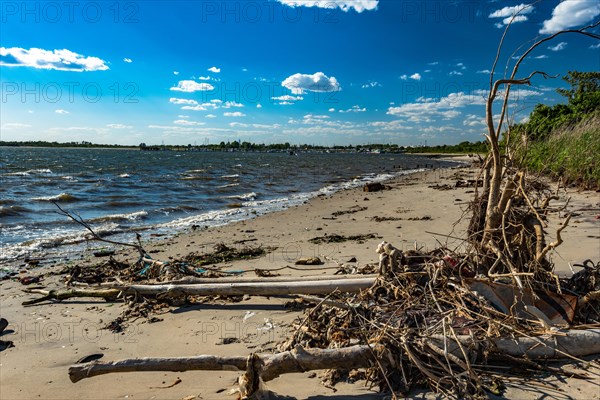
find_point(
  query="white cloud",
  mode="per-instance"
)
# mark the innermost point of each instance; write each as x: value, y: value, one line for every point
x: 119, y: 126
x: 175, y: 100
x: 259, y: 105
x: 358, y: 5
x: 560, y: 46
x: 510, y: 11
x: 388, y: 125
x: 331, y: 109
x: 484, y: 71
x: 204, y: 78
x: 541, y: 57
x: 512, y: 14
x: 266, y: 126
x: 416, y: 76
x: 474, y: 120
x: 234, y: 114
x: 458, y: 73
x: 214, y: 70
x: 370, y: 85
x: 312, y: 116
x: 197, y: 107
x: 192, y: 86
x: 175, y: 72
x: 238, y: 125
x: 287, y: 99
x: 128, y: 60
x: 230, y: 104
x: 60, y: 111
x: 569, y: 14
x: 518, y: 18
x: 61, y: 60
x: 318, y: 82
x: 210, y: 116
x: 595, y: 46
x: 354, y: 109
x: 424, y: 109
x: 86, y: 129
x: 14, y: 125
x: 433, y: 63
x: 184, y: 122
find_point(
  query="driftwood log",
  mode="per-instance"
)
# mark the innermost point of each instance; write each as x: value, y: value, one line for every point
x: 192, y: 280
x: 573, y: 343
x: 262, y: 288
x: 234, y: 288
x: 70, y: 293
x: 270, y: 366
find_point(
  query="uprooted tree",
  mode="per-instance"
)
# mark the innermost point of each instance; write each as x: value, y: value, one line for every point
x: 497, y: 227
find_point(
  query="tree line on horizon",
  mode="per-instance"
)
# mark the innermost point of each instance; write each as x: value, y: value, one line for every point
x: 463, y: 147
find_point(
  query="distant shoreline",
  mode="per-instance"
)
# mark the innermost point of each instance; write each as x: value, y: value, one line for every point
x: 424, y: 154
x: 71, y: 147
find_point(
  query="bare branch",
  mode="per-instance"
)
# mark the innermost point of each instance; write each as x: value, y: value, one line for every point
x: 95, y: 236
x: 556, y: 243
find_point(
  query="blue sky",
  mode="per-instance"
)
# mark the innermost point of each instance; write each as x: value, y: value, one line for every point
x: 317, y: 72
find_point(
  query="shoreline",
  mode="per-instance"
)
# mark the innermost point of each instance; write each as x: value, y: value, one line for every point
x: 247, y: 210
x: 50, y: 337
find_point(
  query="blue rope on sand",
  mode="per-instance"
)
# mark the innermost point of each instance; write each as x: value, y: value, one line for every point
x: 147, y: 265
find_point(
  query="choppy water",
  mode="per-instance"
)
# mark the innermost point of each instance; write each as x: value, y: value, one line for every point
x: 119, y: 191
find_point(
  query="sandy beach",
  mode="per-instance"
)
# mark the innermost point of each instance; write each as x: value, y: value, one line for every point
x: 422, y: 210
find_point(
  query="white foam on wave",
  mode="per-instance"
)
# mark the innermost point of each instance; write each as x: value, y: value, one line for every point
x: 124, y: 176
x: 134, y: 216
x: 252, y: 208
x: 53, y: 239
x: 212, y: 218
x: 233, y: 176
x: 40, y: 171
x: 245, y: 196
x: 58, y: 197
x: 228, y: 185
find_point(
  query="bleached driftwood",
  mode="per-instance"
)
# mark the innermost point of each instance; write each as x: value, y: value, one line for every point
x: 261, y: 288
x: 251, y: 288
x: 573, y: 343
x: 269, y: 367
x: 192, y: 280
x: 68, y: 294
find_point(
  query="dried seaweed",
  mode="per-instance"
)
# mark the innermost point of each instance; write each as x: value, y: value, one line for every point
x: 335, y: 238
